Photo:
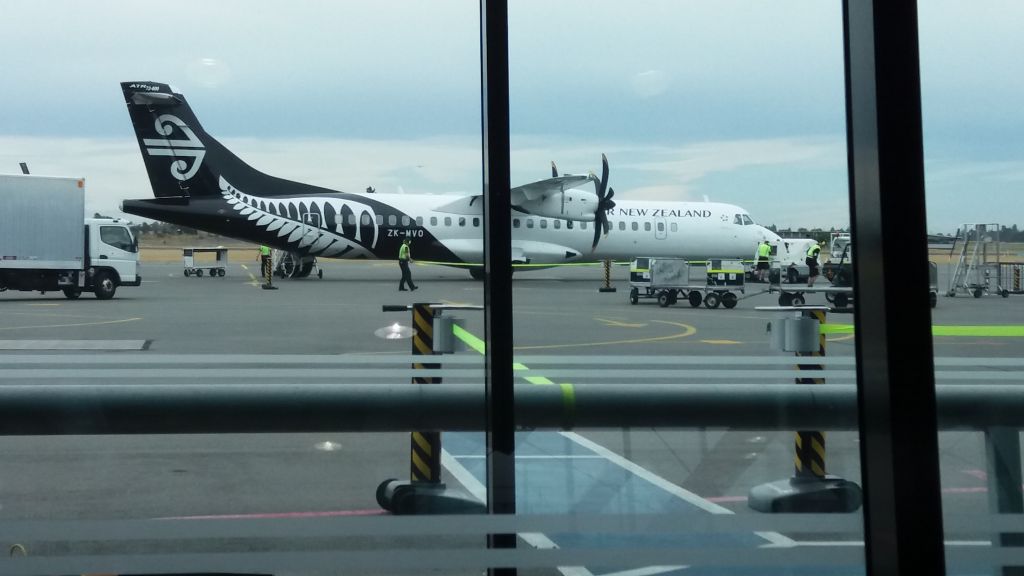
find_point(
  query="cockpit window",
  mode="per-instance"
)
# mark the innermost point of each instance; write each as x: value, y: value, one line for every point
x: 737, y: 220
x: 747, y: 221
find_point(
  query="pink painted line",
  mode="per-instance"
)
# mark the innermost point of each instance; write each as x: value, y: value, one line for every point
x: 323, y: 514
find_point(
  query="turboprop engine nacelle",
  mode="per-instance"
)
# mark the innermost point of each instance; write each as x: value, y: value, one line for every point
x: 572, y: 204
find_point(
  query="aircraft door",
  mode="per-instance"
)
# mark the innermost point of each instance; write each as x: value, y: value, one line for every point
x: 310, y: 228
x: 660, y: 229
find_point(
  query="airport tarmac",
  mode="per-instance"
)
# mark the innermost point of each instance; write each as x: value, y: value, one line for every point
x: 175, y: 327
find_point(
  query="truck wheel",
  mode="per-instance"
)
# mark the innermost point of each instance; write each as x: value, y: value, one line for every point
x: 712, y: 300
x: 72, y: 292
x: 663, y: 298
x: 842, y: 300
x: 319, y: 274
x: 977, y: 292
x: 933, y: 298
x: 798, y: 300
x: 673, y: 297
x: 199, y: 273
x: 1005, y: 293
x: 785, y: 299
x: 729, y: 300
x: 104, y: 286
x: 695, y: 298
x: 634, y: 295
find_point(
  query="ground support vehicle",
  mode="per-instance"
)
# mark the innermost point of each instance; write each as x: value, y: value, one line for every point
x: 289, y: 265
x: 713, y: 283
x: 216, y: 268
x: 47, y: 244
x: 840, y: 292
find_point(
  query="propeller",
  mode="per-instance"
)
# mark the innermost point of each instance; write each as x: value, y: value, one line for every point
x: 554, y: 170
x: 604, y: 202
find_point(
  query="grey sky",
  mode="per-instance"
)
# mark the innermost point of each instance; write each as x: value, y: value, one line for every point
x: 740, y: 101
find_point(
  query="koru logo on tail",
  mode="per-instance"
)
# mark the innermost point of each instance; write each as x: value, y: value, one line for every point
x: 189, y: 147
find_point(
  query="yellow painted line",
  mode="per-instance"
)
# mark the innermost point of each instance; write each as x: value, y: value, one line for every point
x: 992, y: 330
x: 72, y: 325
x: 721, y: 342
x: 687, y: 331
x: 619, y: 323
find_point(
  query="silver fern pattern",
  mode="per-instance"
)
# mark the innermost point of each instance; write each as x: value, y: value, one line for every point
x: 313, y: 226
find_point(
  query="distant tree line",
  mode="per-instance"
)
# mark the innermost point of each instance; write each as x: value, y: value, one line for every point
x: 1006, y: 233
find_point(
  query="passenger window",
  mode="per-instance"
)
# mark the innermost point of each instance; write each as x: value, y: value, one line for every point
x: 515, y: 222
x: 673, y: 227
x: 447, y: 220
x: 529, y: 222
x: 583, y: 225
x: 405, y: 220
x: 433, y: 220
x: 419, y: 220
x: 380, y: 219
x: 647, y: 226
x: 462, y: 221
x: 558, y: 224
x: 622, y: 225
x: 364, y: 219
x: 476, y: 222
x: 352, y: 219
x: 543, y: 223
x: 636, y: 226
x: 661, y: 226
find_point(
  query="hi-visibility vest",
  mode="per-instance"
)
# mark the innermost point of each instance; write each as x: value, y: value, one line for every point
x: 764, y: 250
x: 812, y: 252
x: 264, y: 251
x: 403, y: 252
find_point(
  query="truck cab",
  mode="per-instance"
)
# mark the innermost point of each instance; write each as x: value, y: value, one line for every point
x: 112, y: 256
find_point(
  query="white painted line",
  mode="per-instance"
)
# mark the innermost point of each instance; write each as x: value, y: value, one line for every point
x: 773, y: 538
x: 72, y: 344
x: 479, y: 491
x: 648, y: 571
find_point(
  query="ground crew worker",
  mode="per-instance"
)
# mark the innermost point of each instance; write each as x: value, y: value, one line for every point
x: 812, y: 263
x: 265, y: 261
x: 404, y: 258
x: 764, y: 253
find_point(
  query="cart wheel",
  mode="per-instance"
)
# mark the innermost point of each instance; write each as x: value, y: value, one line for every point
x: 1005, y: 293
x: 186, y: 273
x: 221, y: 272
x: 199, y: 272
x: 695, y: 298
x: 673, y: 297
x: 798, y: 300
x: 831, y: 298
x: 933, y: 298
x: 634, y: 295
x: 951, y: 293
x: 785, y: 299
x: 977, y: 292
x: 320, y: 274
x: 729, y: 300
x: 712, y: 300
x: 663, y: 298
x: 842, y: 300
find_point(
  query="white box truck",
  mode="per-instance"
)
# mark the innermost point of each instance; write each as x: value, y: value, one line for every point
x: 47, y: 244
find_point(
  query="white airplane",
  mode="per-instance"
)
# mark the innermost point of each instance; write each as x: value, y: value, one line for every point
x: 199, y: 183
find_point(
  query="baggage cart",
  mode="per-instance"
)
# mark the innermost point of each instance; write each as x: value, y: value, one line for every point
x: 218, y: 267
x: 713, y: 282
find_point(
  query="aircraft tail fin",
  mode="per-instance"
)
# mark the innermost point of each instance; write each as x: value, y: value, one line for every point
x: 182, y: 160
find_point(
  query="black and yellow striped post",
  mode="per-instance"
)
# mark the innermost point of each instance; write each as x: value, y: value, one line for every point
x: 607, y: 277
x: 810, y: 489
x: 810, y: 445
x: 426, y: 446
x: 267, y: 263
